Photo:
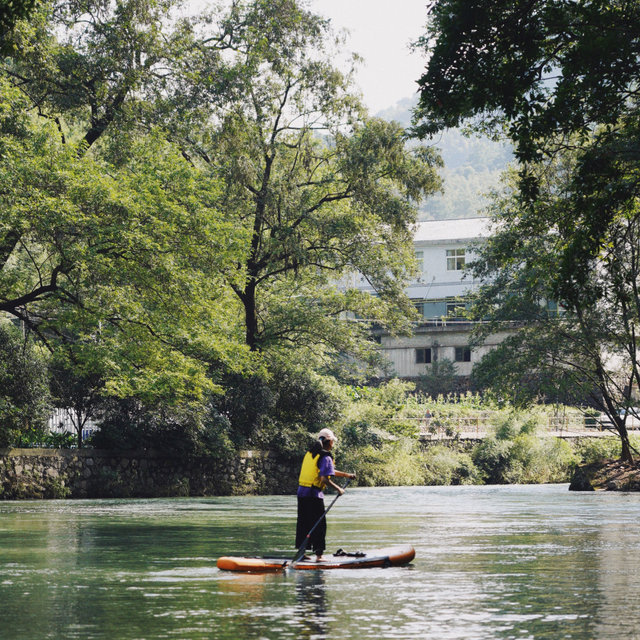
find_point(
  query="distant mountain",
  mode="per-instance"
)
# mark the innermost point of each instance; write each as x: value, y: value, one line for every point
x: 473, y: 166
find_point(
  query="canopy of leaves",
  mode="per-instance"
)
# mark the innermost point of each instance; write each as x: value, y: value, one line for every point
x: 119, y: 256
x: 180, y: 196
x: 13, y: 10
x: 546, y: 67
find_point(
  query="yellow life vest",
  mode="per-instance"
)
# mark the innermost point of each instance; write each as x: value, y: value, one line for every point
x: 309, y: 472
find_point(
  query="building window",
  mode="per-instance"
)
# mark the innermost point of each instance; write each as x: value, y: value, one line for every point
x: 420, y: 261
x: 419, y: 308
x: 463, y: 354
x: 455, y: 259
x: 423, y: 356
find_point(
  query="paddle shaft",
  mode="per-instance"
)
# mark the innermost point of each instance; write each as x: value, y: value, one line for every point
x: 303, y: 547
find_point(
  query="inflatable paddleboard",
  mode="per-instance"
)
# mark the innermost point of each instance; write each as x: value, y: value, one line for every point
x: 387, y: 557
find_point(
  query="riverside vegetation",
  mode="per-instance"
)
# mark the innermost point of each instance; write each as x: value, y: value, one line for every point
x: 181, y: 195
x: 380, y: 441
x: 378, y: 429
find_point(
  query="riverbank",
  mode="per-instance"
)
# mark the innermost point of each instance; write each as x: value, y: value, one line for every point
x: 606, y: 475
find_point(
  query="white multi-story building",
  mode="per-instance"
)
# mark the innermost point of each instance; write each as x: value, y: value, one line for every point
x: 443, y: 249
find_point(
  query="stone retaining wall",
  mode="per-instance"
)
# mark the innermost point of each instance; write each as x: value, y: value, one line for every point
x: 87, y: 473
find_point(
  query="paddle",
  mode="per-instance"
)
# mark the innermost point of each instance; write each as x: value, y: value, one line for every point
x: 303, y: 547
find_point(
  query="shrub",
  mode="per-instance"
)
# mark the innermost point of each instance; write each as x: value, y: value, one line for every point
x: 394, y: 463
x: 445, y: 465
x: 540, y: 460
x: 24, y: 392
x: 492, y: 459
x: 598, y: 449
x: 360, y: 434
x: 129, y: 424
x: 527, y: 459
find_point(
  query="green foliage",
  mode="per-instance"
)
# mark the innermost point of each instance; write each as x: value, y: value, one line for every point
x: 24, y: 393
x: 322, y: 190
x: 40, y: 438
x: 582, y: 347
x: 375, y: 413
x: 59, y: 441
x: 118, y: 259
x: 304, y: 404
x: 178, y: 194
x: 89, y: 66
x: 491, y: 457
x: 129, y: 424
x: 356, y: 435
x: 281, y: 412
x: 444, y: 465
x: 10, y: 12
x: 77, y: 392
x: 394, y: 463
x: 560, y: 79
x: 404, y: 462
x: 598, y: 449
x: 519, y: 454
x: 546, y: 69
x: 440, y: 378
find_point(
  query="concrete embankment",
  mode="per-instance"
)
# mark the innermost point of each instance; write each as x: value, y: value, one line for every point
x: 88, y: 473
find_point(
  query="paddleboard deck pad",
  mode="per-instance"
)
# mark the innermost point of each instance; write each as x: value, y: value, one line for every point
x: 387, y: 557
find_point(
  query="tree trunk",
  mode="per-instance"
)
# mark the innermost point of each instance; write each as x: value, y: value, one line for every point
x: 626, y: 454
x: 248, y: 298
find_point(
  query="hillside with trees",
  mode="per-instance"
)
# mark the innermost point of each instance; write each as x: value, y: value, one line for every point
x: 473, y: 165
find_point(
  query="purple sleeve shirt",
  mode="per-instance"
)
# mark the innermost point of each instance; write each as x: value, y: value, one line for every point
x: 326, y: 468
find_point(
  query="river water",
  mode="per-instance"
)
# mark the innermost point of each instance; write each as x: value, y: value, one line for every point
x: 492, y: 563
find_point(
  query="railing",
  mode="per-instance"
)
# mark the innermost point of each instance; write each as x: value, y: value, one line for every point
x: 61, y: 421
x: 480, y: 426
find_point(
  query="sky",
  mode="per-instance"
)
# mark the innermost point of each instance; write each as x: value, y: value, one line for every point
x: 380, y: 32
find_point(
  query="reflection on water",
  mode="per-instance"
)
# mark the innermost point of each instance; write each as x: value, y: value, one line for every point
x: 492, y: 563
x: 311, y: 609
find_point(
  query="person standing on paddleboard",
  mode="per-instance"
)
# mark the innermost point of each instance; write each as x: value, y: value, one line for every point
x: 317, y: 472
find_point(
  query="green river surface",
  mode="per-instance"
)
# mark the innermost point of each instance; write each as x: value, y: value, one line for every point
x: 492, y: 563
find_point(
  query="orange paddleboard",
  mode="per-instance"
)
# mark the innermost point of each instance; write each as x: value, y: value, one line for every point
x: 386, y: 557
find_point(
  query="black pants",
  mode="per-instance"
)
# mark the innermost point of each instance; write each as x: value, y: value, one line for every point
x: 309, y: 512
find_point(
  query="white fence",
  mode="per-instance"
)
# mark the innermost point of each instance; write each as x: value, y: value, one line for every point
x: 62, y: 421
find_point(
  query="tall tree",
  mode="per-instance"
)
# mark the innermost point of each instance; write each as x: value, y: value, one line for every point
x: 321, y: 189
x: 562, y: 80
x: 574, y: 337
